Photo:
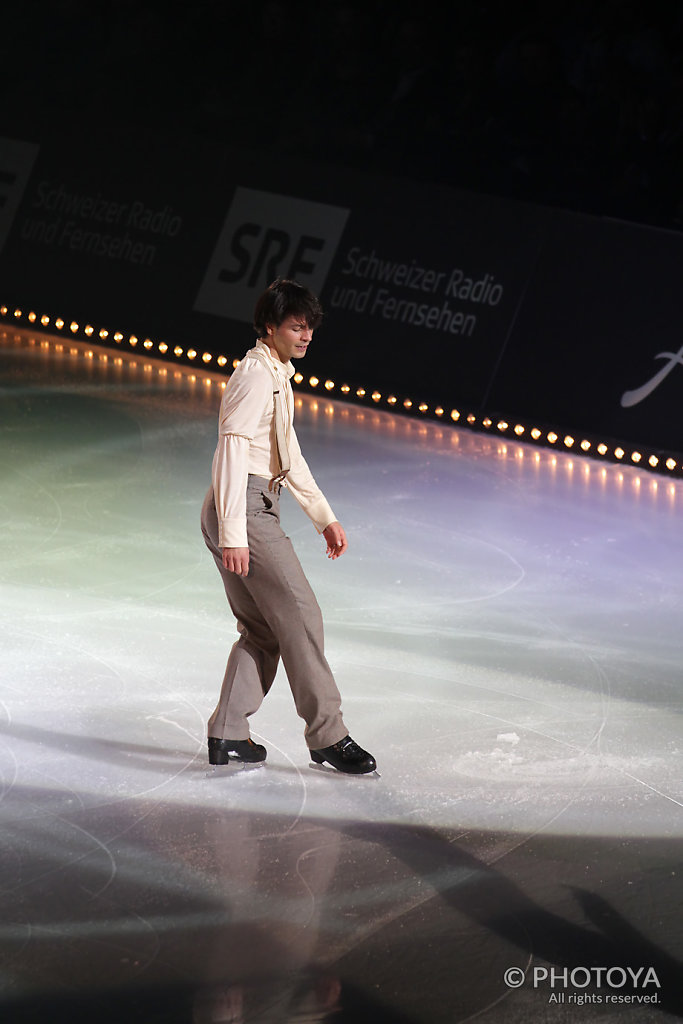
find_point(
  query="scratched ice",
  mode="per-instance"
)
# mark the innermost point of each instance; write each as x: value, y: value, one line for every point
x: 505, y: 630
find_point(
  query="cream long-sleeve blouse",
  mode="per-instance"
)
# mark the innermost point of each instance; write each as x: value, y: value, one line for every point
x: 247, y: 444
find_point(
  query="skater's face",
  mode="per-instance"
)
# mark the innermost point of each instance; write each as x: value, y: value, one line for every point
x: 290, y: 339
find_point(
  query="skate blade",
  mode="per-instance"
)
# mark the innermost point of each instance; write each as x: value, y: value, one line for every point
x: 216, y: 771
x: 328, y: 770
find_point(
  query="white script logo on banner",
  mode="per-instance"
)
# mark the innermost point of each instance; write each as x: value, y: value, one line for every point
x: 16, y: 163
x: 637, y: 395
x: 267, y: 236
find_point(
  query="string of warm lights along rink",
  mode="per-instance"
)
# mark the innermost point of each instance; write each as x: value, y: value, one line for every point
x: 543, y: 435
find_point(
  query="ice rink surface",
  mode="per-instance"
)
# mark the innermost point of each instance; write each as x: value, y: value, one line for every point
x: 506, y: 632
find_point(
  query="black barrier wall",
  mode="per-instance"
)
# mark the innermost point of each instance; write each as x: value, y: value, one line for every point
x: 447, y: 296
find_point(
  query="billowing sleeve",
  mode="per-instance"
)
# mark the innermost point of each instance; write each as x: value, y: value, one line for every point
x: 245, y: 400
x: 304, y: 488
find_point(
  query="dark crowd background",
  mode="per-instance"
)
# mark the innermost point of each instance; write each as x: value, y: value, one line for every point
x: 572, y: 103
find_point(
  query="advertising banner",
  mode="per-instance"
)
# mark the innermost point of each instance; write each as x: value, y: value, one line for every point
x: 439, y: 294
x: 111, y: 231
x: 420, y: 288
x: 597, y: 343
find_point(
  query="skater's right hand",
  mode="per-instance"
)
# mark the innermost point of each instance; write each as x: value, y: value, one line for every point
x: 236, y: 560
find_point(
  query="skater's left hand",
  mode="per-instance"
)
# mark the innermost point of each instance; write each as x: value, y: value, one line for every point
x: 336, y: 540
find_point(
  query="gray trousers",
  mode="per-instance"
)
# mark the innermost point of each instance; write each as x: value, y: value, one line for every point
x: 277, y: 617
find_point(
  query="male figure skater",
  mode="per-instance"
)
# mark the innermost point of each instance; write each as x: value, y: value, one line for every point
x: 276, y: 611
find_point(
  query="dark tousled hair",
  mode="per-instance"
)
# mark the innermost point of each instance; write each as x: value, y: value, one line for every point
x: 283, y: 299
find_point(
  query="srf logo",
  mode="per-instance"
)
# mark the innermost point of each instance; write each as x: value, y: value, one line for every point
x: 267, y: 236
x: 16, y: 163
